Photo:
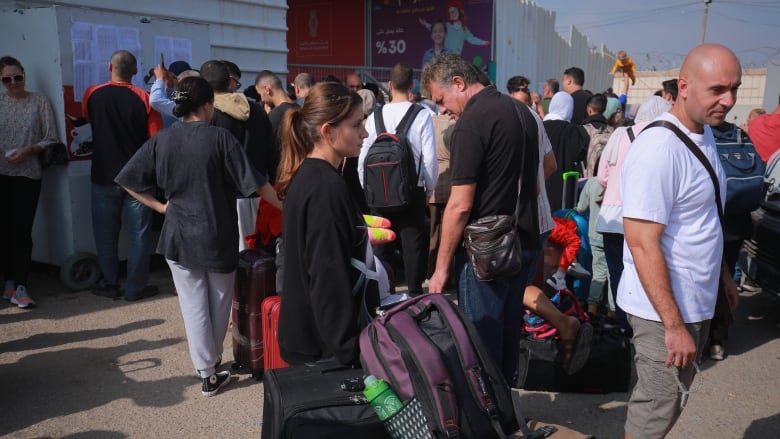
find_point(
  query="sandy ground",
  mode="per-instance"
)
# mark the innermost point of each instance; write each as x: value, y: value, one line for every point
x: 82, y: 366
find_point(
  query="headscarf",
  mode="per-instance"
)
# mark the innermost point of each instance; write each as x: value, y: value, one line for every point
x: 369, y: 100
x: 612, y: 106
x: 561, y: 107
x: 651, y: 108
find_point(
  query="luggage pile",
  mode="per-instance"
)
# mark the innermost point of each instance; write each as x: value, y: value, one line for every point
x: 431, y: 357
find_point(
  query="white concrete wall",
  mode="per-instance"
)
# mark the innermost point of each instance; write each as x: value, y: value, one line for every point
x: 756, y: 91
x: 527, y: 44
x: 251, y: 33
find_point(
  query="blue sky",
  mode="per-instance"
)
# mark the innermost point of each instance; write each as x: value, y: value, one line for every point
x: 658, y: 33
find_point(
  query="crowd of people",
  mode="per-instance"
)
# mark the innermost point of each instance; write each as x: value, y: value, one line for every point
x: 201, y: 153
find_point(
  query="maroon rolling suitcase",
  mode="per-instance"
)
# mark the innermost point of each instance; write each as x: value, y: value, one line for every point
x: 272, y: 358
x: 255, y: 280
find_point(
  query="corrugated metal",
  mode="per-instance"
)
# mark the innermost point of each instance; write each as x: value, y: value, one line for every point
x: 527, y: 44
x: 251, y: 33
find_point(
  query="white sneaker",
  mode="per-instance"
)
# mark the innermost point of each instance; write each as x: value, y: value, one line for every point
x: 21, y: 298
x: 717, y: 352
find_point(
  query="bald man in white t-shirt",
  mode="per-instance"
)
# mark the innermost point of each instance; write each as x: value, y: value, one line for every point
x: 674, y: 241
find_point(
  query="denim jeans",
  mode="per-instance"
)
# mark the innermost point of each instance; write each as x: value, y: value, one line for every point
x: 496, y: 309
x: 110, y: 204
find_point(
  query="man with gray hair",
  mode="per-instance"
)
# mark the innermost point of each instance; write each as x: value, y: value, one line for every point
x: 486, y: 167
x: 122, y: 120
x: 302, y: 84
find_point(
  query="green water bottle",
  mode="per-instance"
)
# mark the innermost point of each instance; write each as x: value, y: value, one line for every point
x: 382, y: 398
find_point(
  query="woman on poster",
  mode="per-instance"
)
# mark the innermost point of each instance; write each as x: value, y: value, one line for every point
x: 457, y: 32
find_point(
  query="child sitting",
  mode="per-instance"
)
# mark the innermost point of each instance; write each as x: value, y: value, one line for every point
x: 566, y: 237
x: 625, y: 65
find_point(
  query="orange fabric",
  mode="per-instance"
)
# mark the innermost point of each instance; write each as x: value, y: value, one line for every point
x: 566, y: 235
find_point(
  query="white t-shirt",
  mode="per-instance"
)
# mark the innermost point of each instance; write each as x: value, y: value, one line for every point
x: 421, y: 138
x: 663, y: 182
x: 546, y: 223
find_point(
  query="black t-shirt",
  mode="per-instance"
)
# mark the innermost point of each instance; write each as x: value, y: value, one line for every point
x: 490, y: 148
x: 275, y: 117
x: 277, y: 114
x: 256, y: 135
x: 580, y: 98
x: 122, y: 121
x: 200, y: 168
x: 322, y: 231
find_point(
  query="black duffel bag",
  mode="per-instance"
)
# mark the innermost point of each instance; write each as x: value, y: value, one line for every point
x: 608, y: 368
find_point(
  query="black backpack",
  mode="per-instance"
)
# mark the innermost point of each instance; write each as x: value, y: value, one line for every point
x: 389, y: 176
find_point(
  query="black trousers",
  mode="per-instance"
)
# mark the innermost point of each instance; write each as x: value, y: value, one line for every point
x: 19, y: 201
x: 410, y: 228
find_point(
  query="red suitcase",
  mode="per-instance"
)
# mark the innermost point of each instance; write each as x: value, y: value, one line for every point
x: 255, y: 280
x: 272, y: 358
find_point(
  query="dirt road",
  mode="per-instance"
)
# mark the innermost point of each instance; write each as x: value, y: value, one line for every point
x: 82, y: 366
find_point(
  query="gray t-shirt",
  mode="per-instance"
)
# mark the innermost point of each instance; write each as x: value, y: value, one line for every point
x: 200, y: 169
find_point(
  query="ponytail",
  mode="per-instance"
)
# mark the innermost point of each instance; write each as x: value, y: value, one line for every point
x: 296, y: 145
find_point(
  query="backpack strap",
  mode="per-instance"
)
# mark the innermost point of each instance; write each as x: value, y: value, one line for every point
x: 631, y: 135
x: 379, y: 122
x: 699, y: 155
x: 403, y: 129
x: 406, y: 122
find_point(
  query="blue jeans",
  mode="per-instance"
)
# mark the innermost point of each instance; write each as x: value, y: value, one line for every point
x: 110, y: 204
x: 496, y: 309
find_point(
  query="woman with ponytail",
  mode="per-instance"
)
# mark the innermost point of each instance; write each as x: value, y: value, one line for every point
x: 323, y: 229
x: 200, y: 169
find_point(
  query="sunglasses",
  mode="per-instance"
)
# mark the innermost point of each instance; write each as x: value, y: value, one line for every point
x: 238, y: 83
x: 14, y: 78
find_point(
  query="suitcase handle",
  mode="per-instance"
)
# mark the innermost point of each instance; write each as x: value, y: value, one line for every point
x: 328, y: 365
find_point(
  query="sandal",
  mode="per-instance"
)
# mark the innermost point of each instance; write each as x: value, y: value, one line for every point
x: 577, y: 351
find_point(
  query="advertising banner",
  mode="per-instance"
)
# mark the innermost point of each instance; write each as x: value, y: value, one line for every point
x: 415, y: 31
x: 326, y: 32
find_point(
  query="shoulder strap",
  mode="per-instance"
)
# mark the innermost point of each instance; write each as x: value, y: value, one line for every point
x: 699, y: 155
x: 403, y: 126
x: 403, y: 129
x: 524, y: 127
x: 630, y: 132
x: 379, y: 123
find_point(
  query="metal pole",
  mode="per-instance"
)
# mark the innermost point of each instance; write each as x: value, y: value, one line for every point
x: 704, y: 20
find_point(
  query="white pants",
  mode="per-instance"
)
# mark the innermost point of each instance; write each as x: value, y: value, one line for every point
x: 247, y: 217
x: 205, y: 299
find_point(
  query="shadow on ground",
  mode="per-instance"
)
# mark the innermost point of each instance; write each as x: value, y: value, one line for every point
x: 58, y: 383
